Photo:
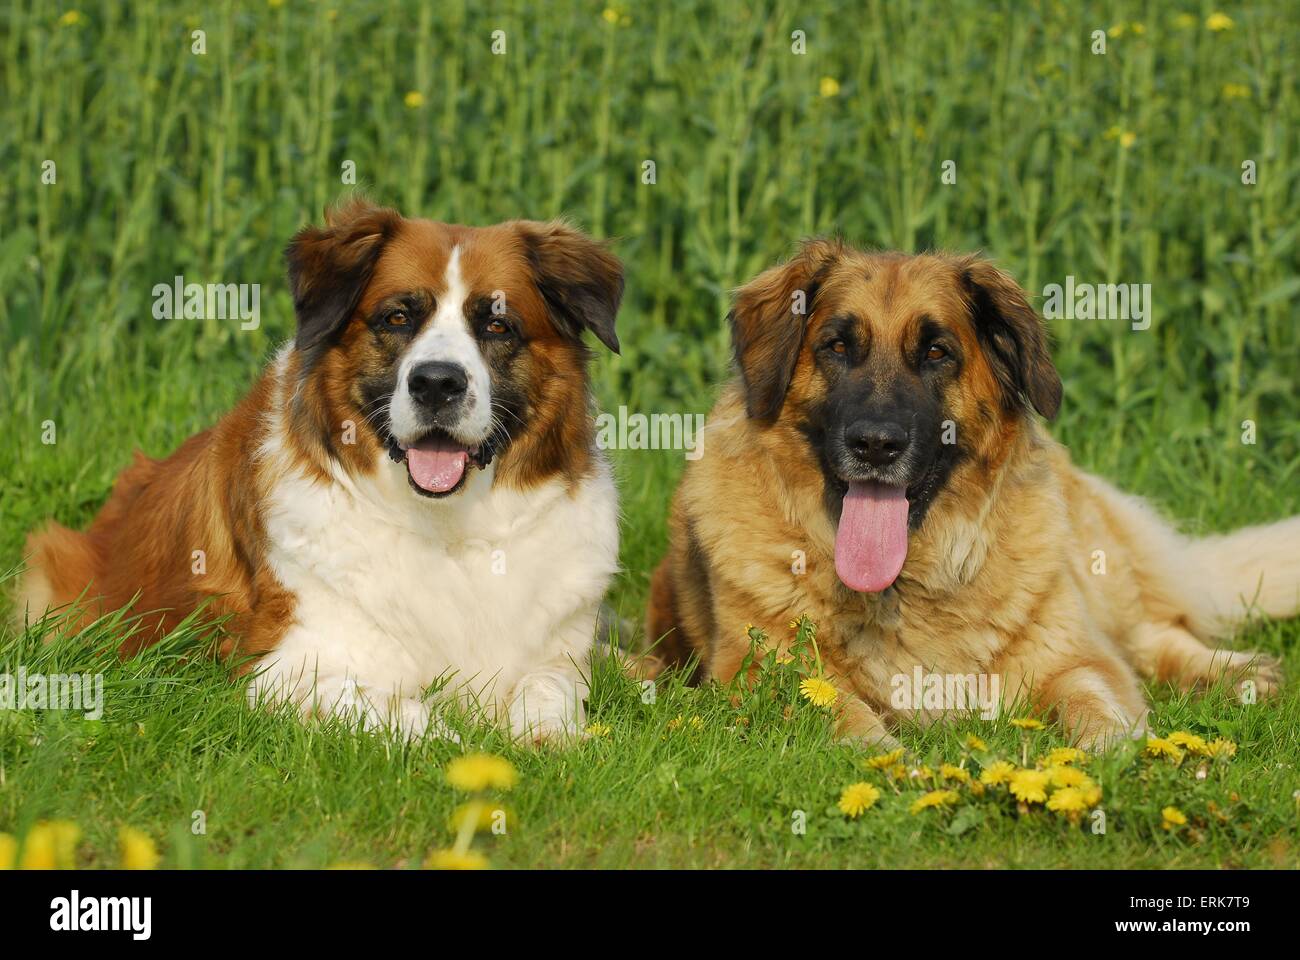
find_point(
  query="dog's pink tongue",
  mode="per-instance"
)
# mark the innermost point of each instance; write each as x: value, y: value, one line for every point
x: 437, y: 465
x: 871, y: 543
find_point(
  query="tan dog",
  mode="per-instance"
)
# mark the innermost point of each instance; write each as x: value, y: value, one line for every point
x: 877, y: 466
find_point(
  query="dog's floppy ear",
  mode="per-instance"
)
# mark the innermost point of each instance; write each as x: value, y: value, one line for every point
x: 580, y: 280
x: 329, y: 267
x: 1013, y: 337
x: 768, y: 322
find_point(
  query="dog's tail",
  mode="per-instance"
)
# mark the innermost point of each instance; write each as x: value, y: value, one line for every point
x: 1252, y: 570
x: 1209, y: 585
x: 61, y: 564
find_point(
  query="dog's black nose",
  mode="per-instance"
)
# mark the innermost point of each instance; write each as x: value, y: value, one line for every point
x: 876, y: 442
x: 436, y: 384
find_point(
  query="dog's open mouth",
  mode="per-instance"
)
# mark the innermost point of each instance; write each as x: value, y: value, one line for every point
x: 437, y: 464
x: 871, y: 539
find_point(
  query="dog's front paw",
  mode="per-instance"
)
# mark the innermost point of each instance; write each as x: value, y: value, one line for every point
x: 1097, y: 731
x: 875, y: 740
x: 405, y: 717
x: 412, y: 719
x: 1253, y: 675
x: 545, y: 711
x: 539, y: 727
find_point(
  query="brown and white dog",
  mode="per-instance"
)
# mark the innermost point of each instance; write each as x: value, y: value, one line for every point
x: 877, y: 465
x: 411, y: 492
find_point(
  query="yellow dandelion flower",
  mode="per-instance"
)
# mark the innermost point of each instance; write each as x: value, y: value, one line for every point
x: 817, y: 691
x: 1189, y: 742
x: 598, y: 729
x: 1163, y: 747
x: 8, y: 851
x: 50, y: 845
x: 414, y: 99
x: 609, y: 15
x: 856, y: 798
x: 275, y: 4
x: 1127, y: 139
x: 1171, y: 817
x: 897, y: 772
x: 38, y: 851
x: 1091, y: 793
x: 454, y: 860
x: 997, y: 773
x: 1221, y: 747
x: 1027, y: 723
x: 1029, y: 786
x: 783, y: 659
x: 1138, y: 28
x: 485, y: 817
x: 1067, y: 777
x: 949, y: 772
x: 137, y: 849
x: 885, y: 759
x: 1116, y: 31
x: 480, y: 771
x: 695, y: 722
x: 1236, y: 91
x: 1061, y: 756
x: 1218, y: 22
x: 975, y: 743
x: 1068, y: 800
x: 72, y: 18
x: 1185, y: 21
x: 350, y: 865
x: 829, y: 87
x: 935, y: 798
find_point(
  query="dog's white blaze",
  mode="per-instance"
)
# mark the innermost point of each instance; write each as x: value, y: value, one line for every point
x: 496, y: 591
x: 446, y: 337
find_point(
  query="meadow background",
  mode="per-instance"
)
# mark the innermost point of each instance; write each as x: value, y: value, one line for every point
x: 1123, y: 167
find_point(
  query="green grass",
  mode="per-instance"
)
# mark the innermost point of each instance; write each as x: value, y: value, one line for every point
x: 170, y: 163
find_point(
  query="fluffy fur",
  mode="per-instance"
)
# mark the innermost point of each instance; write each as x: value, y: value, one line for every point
x: 999, y: 573
x: 352, y: 589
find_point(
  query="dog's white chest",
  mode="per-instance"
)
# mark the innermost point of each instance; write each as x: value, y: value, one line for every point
x: 478, y: 590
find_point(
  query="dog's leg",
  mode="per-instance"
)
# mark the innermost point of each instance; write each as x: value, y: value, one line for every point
x: 856, y: 722
x: 1096, y: 704
x: 1088, y: 686
x: 546, y: 704
x: 341, y: 694
x: 1171, y: 653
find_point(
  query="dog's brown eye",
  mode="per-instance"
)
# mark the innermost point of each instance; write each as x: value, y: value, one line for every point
x: 936, y: 352
x: 838, y: 346
x: 398, y: 318
x: 496, y: 327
